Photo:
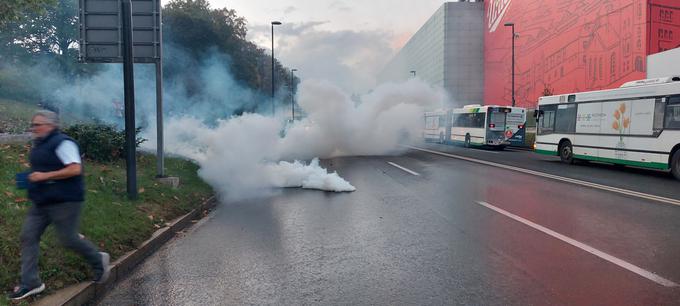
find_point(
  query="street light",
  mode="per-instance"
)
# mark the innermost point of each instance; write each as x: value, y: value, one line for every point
x: 512, y: 24
x: 292, y: 92
x: 413, y: 72
x: 273, y: 24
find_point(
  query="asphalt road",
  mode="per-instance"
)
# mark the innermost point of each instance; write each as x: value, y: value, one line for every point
x: 443, y: 237
x: 660, y: 183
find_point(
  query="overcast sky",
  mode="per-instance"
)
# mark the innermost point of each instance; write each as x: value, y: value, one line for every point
x: 346, y: 42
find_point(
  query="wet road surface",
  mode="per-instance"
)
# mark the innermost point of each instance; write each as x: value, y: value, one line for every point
x: 656, y: 182
x: 426, y: 239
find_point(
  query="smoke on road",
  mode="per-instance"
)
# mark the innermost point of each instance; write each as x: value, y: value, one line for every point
x: 252, y: 154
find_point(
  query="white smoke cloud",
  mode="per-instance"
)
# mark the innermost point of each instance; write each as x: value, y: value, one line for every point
x: 312, y: 176
x: 251, y: 155
x: 349, y: 58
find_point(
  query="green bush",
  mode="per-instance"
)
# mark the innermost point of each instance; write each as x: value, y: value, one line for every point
x: 100, y: 142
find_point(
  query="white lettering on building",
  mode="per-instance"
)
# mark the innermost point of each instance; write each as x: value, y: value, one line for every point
x: 497, y: 9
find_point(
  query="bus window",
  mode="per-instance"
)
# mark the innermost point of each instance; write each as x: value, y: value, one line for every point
x: 546, y: 123
x: 673, y: 113
x: 565, y: 120
x: 430, y: 123
x: 659, y: 110
x: 460, y: 120
x: 478, y: 120
x: 497, y: 119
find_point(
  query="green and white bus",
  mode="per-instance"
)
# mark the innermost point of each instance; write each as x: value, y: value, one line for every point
x: 488, y: 125
x: 637, y: 124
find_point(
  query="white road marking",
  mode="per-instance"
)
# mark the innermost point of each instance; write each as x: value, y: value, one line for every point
x: 619, y: 262
x: 402, y: 168
x: 485, y: 151
x: 627, y: 192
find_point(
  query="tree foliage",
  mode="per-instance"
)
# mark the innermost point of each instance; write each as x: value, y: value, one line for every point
x: 192, y: 32
x: 53, y: 33
x: 13, y: 10
x: 194, y: 27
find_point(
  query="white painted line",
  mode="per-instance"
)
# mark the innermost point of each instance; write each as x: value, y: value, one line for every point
x: 619, y: 262
x: 402, y: 168
x: 485, y: 151
x: 627, y: 192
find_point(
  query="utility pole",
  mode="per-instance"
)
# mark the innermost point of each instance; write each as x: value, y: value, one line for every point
x: 512, y: 24
x: 273, y: 75
x: 129, y: 87
x: 292, y: 92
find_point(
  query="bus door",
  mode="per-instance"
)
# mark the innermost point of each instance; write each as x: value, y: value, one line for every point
x: 495, y: 128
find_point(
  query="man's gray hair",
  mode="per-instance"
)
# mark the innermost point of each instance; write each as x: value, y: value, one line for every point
x: 52, y: 117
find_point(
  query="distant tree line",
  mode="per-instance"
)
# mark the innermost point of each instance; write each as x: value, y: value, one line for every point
x: 44, y: 33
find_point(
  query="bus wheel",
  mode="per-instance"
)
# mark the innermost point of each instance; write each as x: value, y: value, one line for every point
x: 467, y: 141
x: 567, y: 152
x: 675, y: 165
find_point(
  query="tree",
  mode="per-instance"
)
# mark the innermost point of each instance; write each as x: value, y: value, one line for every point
x: 199, y: 31
x: 548, y: 90
x: 13, y: 10
x: 52, y: 34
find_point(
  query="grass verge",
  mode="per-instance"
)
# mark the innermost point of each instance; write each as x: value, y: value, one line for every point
x: 115, y: 224
x: 15, y: 116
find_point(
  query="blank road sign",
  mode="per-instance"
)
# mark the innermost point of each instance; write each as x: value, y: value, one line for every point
x: 101, y: 27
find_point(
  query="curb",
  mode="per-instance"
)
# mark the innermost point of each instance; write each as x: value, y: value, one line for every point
x: 14, y: 138
x: 87, y: 293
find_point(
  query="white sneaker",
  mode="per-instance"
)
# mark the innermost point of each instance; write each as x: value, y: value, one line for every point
x: 107, y: 268
x: 20, y: 293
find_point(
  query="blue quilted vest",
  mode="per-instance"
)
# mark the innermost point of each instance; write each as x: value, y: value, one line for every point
x: 44, y: 159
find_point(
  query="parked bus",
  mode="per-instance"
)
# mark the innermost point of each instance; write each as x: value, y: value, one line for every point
x: 637, y: 124
x: 489, y: 125
x: 477, y: 125
x: 437, y: 126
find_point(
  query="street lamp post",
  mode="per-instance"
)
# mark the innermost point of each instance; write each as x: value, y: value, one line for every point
x: 273, y: 24
x: 512, y: 24
x: 292, y: 92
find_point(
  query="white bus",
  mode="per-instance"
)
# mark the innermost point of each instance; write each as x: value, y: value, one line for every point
x: 637, y: 124
x: 437, y: 126
x: 488, y: 125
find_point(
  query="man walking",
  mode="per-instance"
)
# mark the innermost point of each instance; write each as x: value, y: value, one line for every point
x: 57, y: 192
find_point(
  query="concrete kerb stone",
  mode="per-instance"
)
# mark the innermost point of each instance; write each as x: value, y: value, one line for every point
x: 88, y: 293
x: 14, y: 138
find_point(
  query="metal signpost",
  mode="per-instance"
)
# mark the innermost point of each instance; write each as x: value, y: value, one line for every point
x: 118, y: 31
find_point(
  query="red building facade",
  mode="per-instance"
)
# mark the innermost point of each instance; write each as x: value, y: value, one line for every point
x: 567, y: 46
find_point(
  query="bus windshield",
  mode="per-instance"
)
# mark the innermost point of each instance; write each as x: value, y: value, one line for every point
x: 496, y: 121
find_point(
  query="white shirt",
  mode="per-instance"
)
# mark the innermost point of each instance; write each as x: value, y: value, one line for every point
x: 68, y: 153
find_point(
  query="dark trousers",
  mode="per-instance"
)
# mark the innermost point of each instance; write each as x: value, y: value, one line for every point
x: 66, y: 219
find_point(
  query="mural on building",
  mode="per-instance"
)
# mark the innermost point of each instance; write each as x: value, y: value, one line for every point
x: 572, y: 46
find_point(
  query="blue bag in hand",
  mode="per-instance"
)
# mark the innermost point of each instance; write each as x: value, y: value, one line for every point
x: 22, y: 180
